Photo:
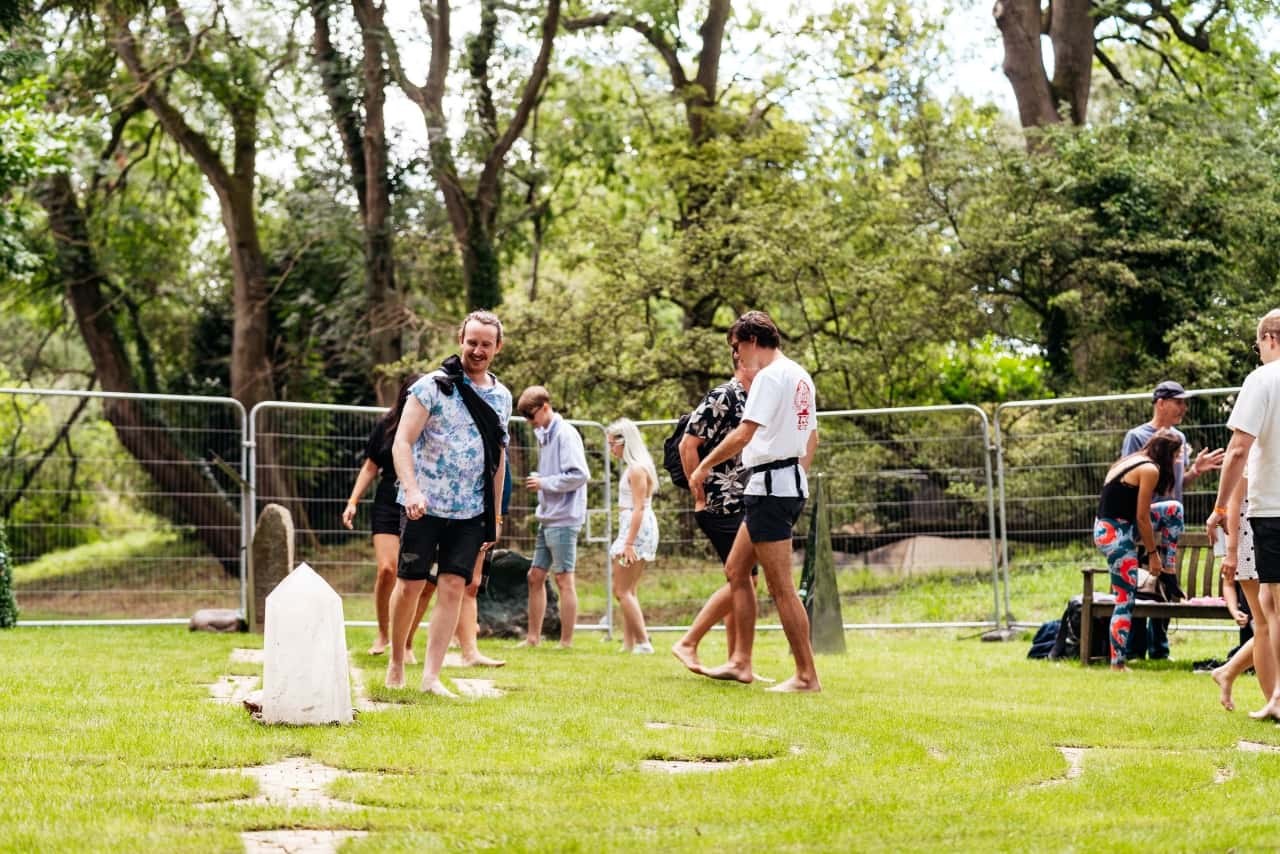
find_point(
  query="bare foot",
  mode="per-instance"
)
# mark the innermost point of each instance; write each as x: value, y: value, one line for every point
x: 688, y: 656
x: 1120, y: 668
x: 409, y: 657
x: 395, y: 675
x: 525, y: 644
x: 437, y: 687
x: 379, y: 646
x: 481, y: 660
x: 566, y: 644
x: 729, y: 672
x: 796, y: 685
x: 1219, y: 675
x: 1270, y: 710
x: 765, y: 679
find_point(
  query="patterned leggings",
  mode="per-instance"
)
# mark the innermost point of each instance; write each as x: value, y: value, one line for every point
x: 1118, y: 541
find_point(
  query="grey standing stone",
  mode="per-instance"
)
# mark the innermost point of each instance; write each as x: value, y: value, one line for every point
x: 503, y: 603
x: 820, y: 594
x: 270, y: 560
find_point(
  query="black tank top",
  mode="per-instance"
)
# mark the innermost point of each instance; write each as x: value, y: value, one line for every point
x: 1120, y: 500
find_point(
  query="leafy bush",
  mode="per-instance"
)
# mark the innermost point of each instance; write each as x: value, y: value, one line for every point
x: 8, y: 605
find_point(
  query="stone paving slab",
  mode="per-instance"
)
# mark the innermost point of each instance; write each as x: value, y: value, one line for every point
x: 233, y: 690
x: 363, y: 703
x: 478, y: 688
x: 241, y: 655
x: 294, y: 782
x: 296, y: 841
x: 687, y: 766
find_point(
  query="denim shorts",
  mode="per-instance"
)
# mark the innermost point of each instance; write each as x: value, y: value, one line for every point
x: 556, y: 547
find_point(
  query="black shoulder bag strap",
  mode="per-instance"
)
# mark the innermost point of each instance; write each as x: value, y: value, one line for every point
x: 490, y: 428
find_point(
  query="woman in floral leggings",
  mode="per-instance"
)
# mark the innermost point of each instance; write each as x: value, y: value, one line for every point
x: 1127, y: 520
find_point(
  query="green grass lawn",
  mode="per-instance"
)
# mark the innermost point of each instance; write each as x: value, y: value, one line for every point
x: 920, y: 741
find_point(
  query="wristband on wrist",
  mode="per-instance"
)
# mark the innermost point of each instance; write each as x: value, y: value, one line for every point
x: 353, y: 501
x: 1220, y: 510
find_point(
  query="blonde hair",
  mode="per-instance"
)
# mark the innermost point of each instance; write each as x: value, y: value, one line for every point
x: 634, y: 453
x: 1270, y: 324
x: 488, y: 318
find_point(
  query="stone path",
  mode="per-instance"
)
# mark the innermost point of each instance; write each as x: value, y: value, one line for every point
x: 248, y: 656
x: 233, y: 690
x: 688, y: 766
x: 296, y: 841
x: 294, y: 782
x: 478, y: 688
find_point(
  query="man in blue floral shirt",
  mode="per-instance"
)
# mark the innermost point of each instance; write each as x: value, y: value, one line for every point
x: 440, y: 459
x: 715, y: 417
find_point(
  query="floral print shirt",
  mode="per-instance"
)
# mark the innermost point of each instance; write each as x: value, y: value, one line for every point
x: 713, y: 419
x: 448, y: 457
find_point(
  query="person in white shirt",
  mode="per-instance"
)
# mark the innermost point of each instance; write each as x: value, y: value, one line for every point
x: 1255, y: 439
x: 777, y: 439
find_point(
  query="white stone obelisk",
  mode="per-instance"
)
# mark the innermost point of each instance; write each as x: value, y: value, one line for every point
x: 305, y: 679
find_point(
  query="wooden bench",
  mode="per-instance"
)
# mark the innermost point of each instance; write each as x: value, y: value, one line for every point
x: 1196, y: 576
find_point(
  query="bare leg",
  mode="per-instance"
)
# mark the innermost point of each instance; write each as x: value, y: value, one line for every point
x: 568, y: 607
x: 468, y: 630
x: 450, y: 592
x: 743, y: 593
x: 386, y: 554
x: 775, y: 559
x: 625, y: 581
x: 421, y: 611
x: 1269, y: 599
x: 404, y: 599
x: 718, y: 607
x: 1263, y: 664
x: 537, y: 605
x: 1226, y: 675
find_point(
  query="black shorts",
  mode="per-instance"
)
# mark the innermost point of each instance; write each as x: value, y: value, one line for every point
x: 430, y: 546
x: 721, y: 529
x: 771, y: 518
x: 386, y: 517
x: 1266, y: 547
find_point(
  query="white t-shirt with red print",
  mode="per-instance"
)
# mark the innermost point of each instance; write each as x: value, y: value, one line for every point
x: 783, y: 403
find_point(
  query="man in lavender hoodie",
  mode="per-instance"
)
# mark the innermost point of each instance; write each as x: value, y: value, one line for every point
x: 561, y: 484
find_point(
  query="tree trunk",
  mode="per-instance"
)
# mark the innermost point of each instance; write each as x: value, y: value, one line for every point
x: 1071, y: 33
x: 195, y: 499
x: 380, y: 279
x: 1020, y: 28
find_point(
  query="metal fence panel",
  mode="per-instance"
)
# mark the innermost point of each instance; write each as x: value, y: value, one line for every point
x: 306, y: 457
x: 1053, y: 456
x: 122, y: 507
x: 909, y: 492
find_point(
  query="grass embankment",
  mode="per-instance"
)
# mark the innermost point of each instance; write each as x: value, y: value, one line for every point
x: 158, y: 573
x: 919, y: 742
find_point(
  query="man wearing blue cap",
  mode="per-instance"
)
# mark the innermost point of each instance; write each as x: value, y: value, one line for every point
x: 1169, y: 405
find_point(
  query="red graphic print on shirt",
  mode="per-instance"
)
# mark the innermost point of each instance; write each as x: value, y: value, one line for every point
x: 802, y: 403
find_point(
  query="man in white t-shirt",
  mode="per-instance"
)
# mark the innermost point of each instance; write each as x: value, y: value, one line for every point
x: 777, y: 438
x: 1255, y: 438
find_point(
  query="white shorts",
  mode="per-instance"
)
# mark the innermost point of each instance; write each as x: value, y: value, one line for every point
x: 646, y: 544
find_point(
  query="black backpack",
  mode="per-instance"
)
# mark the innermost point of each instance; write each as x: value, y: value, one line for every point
x: 671, y: 453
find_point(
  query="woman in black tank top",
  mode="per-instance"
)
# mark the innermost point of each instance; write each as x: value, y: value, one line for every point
x: 1125, y: 520
x: 385, y: 519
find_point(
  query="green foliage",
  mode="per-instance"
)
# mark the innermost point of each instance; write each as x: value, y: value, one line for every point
x: 989, y: 371
x: 8, y: 605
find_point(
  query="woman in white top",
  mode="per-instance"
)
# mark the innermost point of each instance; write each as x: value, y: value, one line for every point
x: 1239, y: 565
x: 637, y: 541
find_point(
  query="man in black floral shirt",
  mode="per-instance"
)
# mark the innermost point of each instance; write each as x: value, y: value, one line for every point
x: 719, y: 518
